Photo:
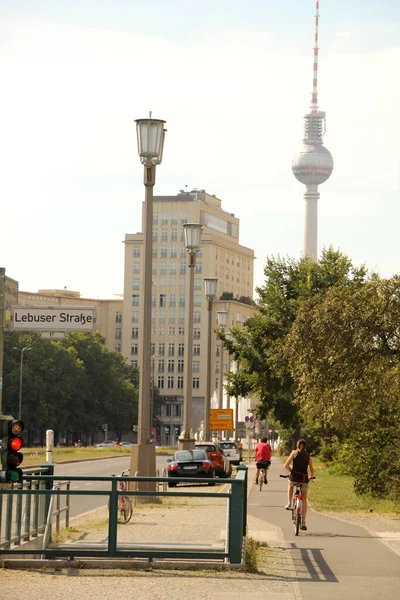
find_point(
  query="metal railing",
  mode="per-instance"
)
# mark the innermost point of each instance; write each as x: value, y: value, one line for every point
x: 30, y: 494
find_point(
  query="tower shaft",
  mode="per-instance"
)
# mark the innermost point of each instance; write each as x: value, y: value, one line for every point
x: 311, y: 197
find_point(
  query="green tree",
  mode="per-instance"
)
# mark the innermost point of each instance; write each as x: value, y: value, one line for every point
x: 264, y: 371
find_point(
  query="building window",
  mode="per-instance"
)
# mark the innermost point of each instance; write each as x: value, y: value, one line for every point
x: 170, y: 382
x: 182, y: 252
x: 182, y: 298
x: 154, y: 268
x: 118, y: 317
x: 135, y: 284
x: 153, y: 315
x: 161, y: 331
x: 136, y: 253
x: 199, y: 254
x: 182, y: 238
x: 172, y: 300
x: 164, y: 218
x: 196, y: 366
x: 163, y: 299
x: 171, y: 330
x: 163, y: 281
x: 163, y: 252
x: 171, y: 316
x: 171, y: 366
x: 161, y: 349
x: 197, y: 317
x: 153, y: 300
x: 135, y: 333
x: 196, y: 350
x: 134, y: 349
x: 217, y: 369
x: 181, y: 316
x: 181, y: 349
x: 184, y: 218
x: 198, y: 268
x: 117, y: 347
x: 197, y: 300
x: 152, y: 348
x: 181, y: 330
x: 155, y: 234
x: 217, y: 351
x: 164, y: 234
x: 160, y: 382
x: 172, y: 281
x: 196, y: 333
x: 154, y: 251
x: 136, y: 268
x: 174, y: 218
x: 182, y: 269
x: 171, y: 349
x: 174, y: 234
x: 135, y: 316
x: 181, y: 365
x: 134, y: 363
x: 135, y: 299
x: 196, y: 383
x: 155, y: 218
x: 198, y: 284
x: 163, y: 268
x: 172, y: 268
x: 118, y: 332
x: 182, y: 281
x: 161, y: 365
x: 173, y: 252
x: 180, y: 382
x: 217, y: 384
x: 161, y: 317
x: 177, y: 410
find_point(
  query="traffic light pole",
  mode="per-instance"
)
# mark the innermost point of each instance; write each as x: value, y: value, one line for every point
x: 2, y: 301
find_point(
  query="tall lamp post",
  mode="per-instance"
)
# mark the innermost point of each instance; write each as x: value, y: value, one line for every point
x: 210, y: 291
x: 21, y: 366
x: 222, y: 321
x: 192, y: 243
x: 150, y: 138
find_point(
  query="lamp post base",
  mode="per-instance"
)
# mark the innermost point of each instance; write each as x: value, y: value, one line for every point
x: 143, y: 461
x: 186, y: 443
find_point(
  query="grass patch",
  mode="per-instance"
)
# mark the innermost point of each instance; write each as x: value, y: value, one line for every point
x: 253, y: 549
x: 332, y: 492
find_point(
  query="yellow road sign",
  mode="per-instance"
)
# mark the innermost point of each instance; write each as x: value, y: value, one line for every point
x: 221, y: 419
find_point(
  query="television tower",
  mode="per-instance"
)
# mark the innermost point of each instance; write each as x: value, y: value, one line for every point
x: 314, y: 163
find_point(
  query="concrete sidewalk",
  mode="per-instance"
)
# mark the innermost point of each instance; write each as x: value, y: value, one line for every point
x: 276, y: 581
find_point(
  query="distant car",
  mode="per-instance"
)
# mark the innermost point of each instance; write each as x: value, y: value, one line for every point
x: 223, y: 467
x: 231, y: 451
x: 125, y: 444
x: 105, y: 444
x: 190, y: 463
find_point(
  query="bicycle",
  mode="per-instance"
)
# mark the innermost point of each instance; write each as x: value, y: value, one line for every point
x: 124, y: 509
x: 263, y: 475
x: 297, y: 503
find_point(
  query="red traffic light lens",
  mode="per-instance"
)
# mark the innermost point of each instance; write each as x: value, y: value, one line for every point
x: 16, y: 444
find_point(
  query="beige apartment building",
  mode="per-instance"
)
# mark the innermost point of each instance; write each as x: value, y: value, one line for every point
x: 221, y: 256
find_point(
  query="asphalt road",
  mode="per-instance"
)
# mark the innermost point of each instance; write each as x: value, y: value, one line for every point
x: 332, y: 559
x: 93, y: 468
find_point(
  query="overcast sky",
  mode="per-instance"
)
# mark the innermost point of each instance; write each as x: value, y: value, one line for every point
x: 232, y: 78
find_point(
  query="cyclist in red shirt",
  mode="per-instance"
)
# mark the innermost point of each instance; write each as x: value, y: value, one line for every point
x: 263, y: 458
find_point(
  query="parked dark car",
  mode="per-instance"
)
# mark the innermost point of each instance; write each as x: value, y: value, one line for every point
x: 190, y: 463
x: 223, y: 467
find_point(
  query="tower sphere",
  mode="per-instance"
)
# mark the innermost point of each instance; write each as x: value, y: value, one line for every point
x: 312, y: 165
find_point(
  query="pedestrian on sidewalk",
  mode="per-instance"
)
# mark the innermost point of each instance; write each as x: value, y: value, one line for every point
x: 298, y: 464
x: 262, y: 458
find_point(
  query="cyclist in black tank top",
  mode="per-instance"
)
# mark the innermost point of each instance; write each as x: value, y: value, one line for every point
x: 298, y: 464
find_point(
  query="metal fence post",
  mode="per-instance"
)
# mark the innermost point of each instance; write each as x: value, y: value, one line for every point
x: 112, y: 519
x: 236, y: 517
x: 244, y: 469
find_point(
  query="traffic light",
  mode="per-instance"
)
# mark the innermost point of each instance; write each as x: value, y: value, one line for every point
x: 11, y: 444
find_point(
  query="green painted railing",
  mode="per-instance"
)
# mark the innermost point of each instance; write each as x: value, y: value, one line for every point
x: 40, y: 486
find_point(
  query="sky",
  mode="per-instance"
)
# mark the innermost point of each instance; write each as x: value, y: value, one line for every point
x: 232, y: 79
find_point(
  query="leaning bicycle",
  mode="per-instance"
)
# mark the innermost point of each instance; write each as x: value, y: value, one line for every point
x: 124, y: 507
x: 297, y: 503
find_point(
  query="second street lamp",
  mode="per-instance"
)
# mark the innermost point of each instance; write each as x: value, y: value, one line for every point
x: 150, y: 138
x: 192, y: 243
x: 210, y: 291
x: 222, y: 321
x: 20, y: 378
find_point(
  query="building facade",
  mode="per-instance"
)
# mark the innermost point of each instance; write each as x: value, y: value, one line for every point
x: 220, y: 256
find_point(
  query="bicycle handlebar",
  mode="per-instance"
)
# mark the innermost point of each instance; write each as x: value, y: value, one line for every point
x: 286, y: 476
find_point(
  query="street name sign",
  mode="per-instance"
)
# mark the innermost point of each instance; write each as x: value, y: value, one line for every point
x: 221, y: 419
x: 53, y: 318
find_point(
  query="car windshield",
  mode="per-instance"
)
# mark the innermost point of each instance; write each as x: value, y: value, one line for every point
x: 208, y: 448
x: 227, y: 445
x: 186, y: 455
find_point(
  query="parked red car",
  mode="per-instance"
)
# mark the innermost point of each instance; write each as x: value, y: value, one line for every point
x: 221, y: 464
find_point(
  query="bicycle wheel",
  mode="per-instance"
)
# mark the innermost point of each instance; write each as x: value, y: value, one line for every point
x: 297, y: 524
x: 124, y: 513
x: 261, y: 478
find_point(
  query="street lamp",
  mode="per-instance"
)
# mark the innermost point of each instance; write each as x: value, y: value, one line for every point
x: 150, y: 139
x: 222, y: 321
x: 192, y: 243
x: 210, y: 291
x: 20, y: 377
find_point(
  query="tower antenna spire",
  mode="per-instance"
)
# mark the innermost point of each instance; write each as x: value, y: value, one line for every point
x: 314, y: 95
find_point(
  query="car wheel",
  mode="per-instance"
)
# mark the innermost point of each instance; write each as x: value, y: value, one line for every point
x: 213, y: 482
x: 172, y: 484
